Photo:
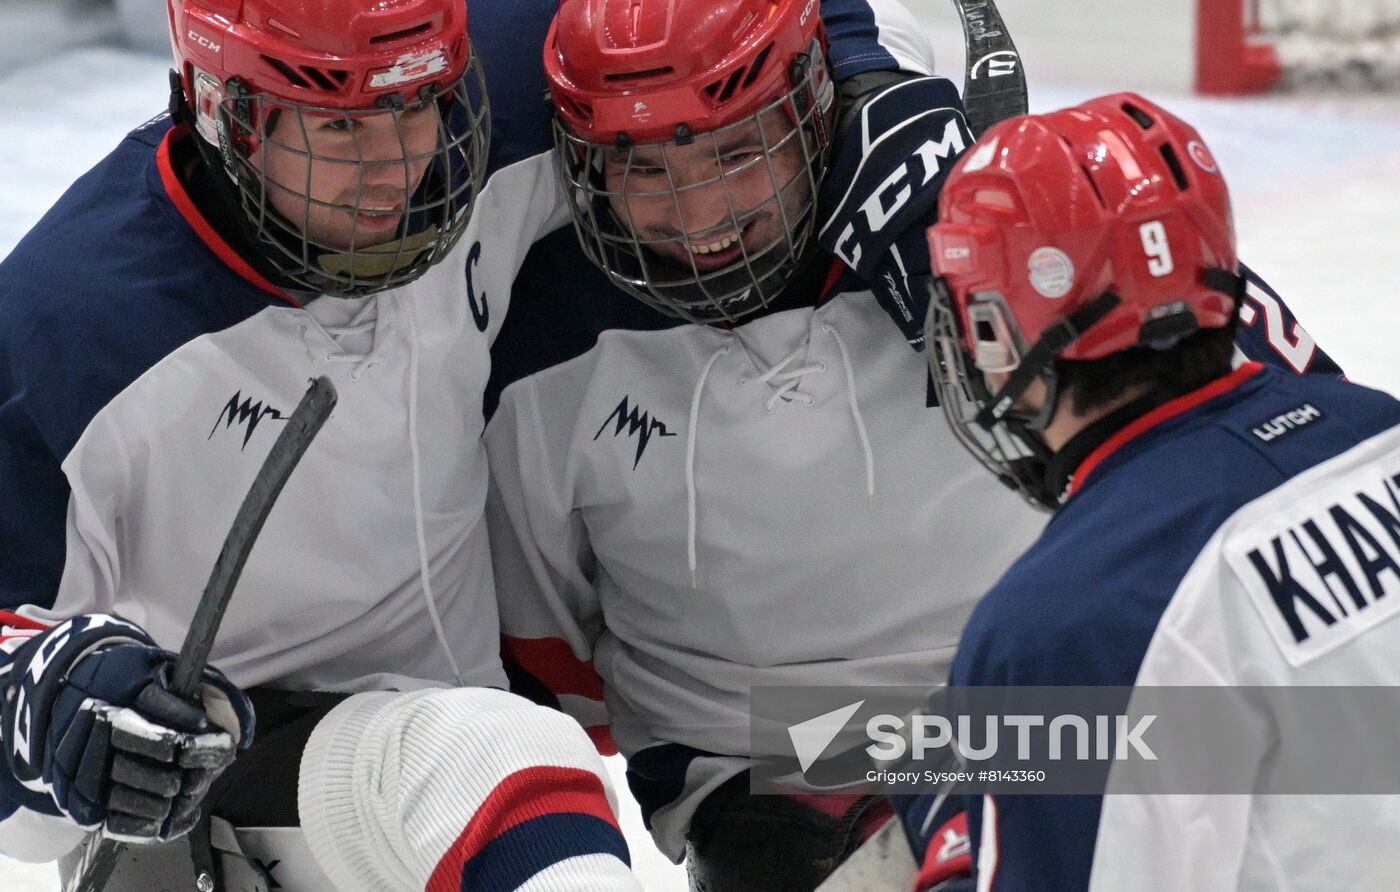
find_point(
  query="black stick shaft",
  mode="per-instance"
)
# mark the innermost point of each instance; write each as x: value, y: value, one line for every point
x: 95, y: 868
x: 302, y: 426
x: 995, y: 86
x: 994, y: 89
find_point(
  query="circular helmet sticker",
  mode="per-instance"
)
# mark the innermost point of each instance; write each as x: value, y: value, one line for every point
x: 1202, y: 156
x: 1051, y: 272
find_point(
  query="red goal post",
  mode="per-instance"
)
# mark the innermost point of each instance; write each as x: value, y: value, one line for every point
x: 1248, y: 46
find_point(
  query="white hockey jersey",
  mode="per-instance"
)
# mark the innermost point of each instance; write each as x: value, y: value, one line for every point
x: 320, y: 604
x: 1235, y: 622
x: 696, y: 511
x: 144, y: 388
x: 1240, y: 543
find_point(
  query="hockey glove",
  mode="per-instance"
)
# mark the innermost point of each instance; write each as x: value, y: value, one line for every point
x: 939, y: 841
x: 947, y: 864
x: 890, y: 158
x: 89, y: 720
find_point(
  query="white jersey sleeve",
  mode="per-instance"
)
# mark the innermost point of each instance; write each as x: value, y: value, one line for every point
x: 1226, y: 628
x: 550, y: 611
x: 903, y: 36
x: 874, y: 35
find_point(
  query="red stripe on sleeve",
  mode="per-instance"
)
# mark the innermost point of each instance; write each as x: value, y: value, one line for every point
x: 949, y: 854
x: 601, y: 735
x: 15, y: 621
x: 528, y: 793
x: 553, y: 663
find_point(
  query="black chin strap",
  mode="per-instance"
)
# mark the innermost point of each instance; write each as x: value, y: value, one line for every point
x: 1062, y: 465
x: 1049, y: 473
x: 1226, y: 282
x: 1027, y: 474
x: 1055, y: 338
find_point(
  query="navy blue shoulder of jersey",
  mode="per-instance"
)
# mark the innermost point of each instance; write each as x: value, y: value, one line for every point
x: 111, y: 280
x: 1268, y: 332
x: 853, y: 39
x: 1084, y: 601
x: 1083, y: 604
x: 549, y: 324
x: 508, y: 36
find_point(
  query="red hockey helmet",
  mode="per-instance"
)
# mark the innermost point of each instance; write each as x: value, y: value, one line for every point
x: 1073, y: 235
x: 246, y: 65
x: 668, y: 102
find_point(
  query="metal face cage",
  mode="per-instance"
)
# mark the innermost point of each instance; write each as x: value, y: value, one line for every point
x: 962, y: 392
x: 349, y: 202
x: 708, y: 227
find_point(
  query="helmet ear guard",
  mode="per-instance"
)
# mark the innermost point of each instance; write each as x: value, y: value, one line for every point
x: 1039, y: 362
x: 809, y: 93
x: 202, y: 107
x: 206, y: 105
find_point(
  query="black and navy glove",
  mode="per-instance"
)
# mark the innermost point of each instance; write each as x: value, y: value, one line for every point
x: 892, y: 152
x: 88, y: 718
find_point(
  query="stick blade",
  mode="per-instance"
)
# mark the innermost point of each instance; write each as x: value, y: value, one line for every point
x: 882, y: 862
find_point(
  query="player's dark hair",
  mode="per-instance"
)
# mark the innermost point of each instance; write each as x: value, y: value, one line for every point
x: 1191, y: 363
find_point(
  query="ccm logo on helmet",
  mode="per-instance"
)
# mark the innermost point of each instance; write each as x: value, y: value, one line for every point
x: 894, y: 193
x: 802, y: 19
x: 205, y: 42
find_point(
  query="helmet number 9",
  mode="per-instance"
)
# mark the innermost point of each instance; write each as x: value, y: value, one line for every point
x: 1159, y: 252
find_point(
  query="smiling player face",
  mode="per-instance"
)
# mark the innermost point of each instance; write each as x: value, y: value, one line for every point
x: 345, y: 181
x: 710, y: 204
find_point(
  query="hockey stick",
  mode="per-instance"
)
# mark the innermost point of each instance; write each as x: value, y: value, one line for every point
x: 995, y: 86
x: 100, y: 858
x: 882, y: 862
x: 994, y: 89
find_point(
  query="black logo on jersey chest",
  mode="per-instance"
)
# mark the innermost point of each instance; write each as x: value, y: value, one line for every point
x: 242, y: 410
x: 267, y: 867
x: 639, y: 424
